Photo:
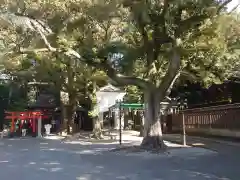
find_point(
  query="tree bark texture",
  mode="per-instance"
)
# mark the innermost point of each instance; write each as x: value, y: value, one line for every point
x: 63, y: 117
x: 97, y: 120
x: 71, y: 114
x: 97, y: 129
x: 72, y: 104
x: 153, y: 97
x: 152, y: 126
x: 142, y: 120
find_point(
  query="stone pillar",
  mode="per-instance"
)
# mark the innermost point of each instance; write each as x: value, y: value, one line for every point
x: 39, y: 125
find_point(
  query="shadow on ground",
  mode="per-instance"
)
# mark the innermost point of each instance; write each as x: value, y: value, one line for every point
x: 31, y: 158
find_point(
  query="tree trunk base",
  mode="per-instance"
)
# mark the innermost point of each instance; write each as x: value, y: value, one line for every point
x: 97, y: 136
x: 153, y: 142
x: 141, y: 134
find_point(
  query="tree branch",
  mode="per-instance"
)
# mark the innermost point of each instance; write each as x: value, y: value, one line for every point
x: 172, y: 73
x: 223, y: 5
x: 69, y: 52
x: 172, y: 83
x: 44, y: 38
x: 111, y: 72
x: 28, y: 51
x: 193, y: 21
x: 160, y: 36
x: 119, y: 78
x: 234, y: 8
x: 144, y: 34
x: 122, y: 80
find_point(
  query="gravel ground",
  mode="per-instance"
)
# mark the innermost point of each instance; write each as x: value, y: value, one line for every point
x: 31, y: 158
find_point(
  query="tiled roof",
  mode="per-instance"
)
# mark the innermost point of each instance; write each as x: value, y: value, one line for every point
x: 109, y: 88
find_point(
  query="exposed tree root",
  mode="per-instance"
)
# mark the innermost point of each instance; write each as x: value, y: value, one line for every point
x: 153, y: 142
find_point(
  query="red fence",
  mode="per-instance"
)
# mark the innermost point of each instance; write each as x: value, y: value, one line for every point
x: 216, y: 117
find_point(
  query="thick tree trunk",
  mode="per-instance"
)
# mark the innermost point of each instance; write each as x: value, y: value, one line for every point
x: 153, y: 97
x: 97, y: 129
x: 152, y: 127
x: 142, y: 120
x: 71, y: 128
x: 97, y: 121
x: 63, y: 117
x: 72, y: 104
x: 70, y: 123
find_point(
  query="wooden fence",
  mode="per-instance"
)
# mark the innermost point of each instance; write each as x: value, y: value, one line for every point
x: 224, y: 117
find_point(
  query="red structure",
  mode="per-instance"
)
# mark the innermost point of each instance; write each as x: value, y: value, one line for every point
x: 27, y: 115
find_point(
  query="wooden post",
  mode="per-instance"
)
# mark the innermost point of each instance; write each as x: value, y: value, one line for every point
x: 34, y: 123
x: 13, y: 125
x: 184, y: 129
x: 120, y: 123
x: 210, y: 120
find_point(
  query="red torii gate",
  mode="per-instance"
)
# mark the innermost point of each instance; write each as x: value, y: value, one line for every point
x: 26, y: 115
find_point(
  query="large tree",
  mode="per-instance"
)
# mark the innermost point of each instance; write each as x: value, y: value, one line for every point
x: 72, y: 77
x: 73, y: 80
x: 163, y: 36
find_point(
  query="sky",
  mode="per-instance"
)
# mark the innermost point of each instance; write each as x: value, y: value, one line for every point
x: 233, y: 4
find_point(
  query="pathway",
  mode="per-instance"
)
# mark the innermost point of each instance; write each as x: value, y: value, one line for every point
x: 30, y: 158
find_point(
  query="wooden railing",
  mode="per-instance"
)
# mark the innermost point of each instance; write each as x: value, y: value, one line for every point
x: 215, y: 117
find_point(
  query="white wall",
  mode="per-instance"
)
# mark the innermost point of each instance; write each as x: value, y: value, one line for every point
x: 108, y: 99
